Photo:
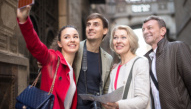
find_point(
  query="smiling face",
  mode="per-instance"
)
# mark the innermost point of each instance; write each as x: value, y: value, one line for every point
x: 95, y: 29
x: 152, y: 32
x: 120, y: 41
x: 69, y: 40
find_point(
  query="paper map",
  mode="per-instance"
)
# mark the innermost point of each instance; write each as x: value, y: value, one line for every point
x: 110, y: 97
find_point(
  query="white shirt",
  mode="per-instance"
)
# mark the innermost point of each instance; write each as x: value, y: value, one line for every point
x: 154, y: 90
x: 71, y: 90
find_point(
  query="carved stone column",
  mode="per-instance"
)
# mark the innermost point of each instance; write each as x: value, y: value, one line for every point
x: 62, y: 13
x: 13, y: 65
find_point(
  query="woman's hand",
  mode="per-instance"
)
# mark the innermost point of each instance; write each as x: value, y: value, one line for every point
x: 23, y: 13
x: 39, y: 65
x: 111, y: 105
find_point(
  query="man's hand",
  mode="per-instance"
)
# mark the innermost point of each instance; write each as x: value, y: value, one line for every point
x: 23, y: 13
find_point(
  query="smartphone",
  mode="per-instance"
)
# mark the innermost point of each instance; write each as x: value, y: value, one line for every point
x: 24, y: 3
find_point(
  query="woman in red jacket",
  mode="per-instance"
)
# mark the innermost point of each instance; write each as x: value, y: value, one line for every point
x: 68, y: 44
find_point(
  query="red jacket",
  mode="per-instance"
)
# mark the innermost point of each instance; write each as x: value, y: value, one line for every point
x: 49, y: 59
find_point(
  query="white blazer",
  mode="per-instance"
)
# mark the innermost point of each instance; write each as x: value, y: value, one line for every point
x: 139, y: 91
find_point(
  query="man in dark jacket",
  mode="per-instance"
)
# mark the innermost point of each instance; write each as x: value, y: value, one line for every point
x: 170, y: 64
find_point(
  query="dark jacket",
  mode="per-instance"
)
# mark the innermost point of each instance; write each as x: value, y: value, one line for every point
x: 173, y: 68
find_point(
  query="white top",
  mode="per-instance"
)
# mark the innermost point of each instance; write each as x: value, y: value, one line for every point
x: 139, y: 91
x: 154, y: 90
x: 71, y: 90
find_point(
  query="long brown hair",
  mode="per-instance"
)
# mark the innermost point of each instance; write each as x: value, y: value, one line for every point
x: 54, y: 44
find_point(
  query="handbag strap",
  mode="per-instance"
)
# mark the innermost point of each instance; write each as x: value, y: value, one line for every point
x: 36, y: 80
x: 129, y: 81
x: 52, y: 86
x: 154, y: 80
x: 53, y: 82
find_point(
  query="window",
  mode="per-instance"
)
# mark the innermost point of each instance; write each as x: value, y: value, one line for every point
x: 141, y: 8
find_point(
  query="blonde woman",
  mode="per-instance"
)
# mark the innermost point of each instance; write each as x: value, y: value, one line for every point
x: 124, y: 43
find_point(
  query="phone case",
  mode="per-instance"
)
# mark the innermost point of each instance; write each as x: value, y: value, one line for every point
x: 24, y: 3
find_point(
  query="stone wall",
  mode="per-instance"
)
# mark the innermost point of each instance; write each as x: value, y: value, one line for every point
x: 13, y: 64
x: 14, y: 56
x: 183, y: 20
x: 74, y: 14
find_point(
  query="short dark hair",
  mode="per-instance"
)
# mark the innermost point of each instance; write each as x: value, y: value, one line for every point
x: 157, y: 18
x: 103, y: 19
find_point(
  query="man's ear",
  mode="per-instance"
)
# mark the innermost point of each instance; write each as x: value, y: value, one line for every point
x: 163, y: 31
x: 105, y: 30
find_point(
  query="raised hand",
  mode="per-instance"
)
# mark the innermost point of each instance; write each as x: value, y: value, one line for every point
x: 23, y: 13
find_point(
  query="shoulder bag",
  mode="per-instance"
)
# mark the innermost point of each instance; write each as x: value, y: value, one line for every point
x: 129, y: 81
x: 34, y: 98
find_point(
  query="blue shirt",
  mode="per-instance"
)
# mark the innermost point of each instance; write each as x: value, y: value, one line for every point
x: 93, y: 76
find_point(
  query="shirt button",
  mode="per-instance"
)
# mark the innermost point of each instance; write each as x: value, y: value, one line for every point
x: 60, y: 78
x: 123, y: 82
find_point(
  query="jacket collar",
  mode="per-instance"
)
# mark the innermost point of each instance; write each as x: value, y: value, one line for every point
x: 147, y: 54
x: 161, y: 45
x: 62, y: 59
x: 78, y: 61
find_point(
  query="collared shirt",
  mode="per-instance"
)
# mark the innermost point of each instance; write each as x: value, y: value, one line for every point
x: 154, y: 90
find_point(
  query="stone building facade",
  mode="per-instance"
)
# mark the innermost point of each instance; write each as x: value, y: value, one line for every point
x: 18, y: 68
x: 14, y: 66
x: 183, y: 20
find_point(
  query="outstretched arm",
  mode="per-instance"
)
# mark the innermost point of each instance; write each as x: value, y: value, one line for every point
x: 34, y: 45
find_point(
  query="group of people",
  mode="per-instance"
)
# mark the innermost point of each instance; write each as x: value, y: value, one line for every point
x: 160, y: 80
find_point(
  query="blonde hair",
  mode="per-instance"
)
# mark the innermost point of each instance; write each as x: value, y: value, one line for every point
x: 132, y: 37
